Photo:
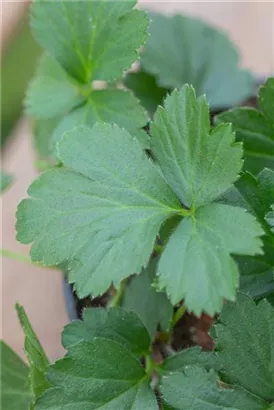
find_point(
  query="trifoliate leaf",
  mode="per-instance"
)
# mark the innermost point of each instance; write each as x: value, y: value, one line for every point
x: 197, y: 164
x: 270, y: 218
x: 114, y: 324
x: 196, y: 389
x: 185, y: 50
x: 91, y: 39
x: 37, y: 358
x: 52, y: 92
x: 103, y: 209
x: 155, y: 308
x: 99, y: 374
x: 245, y: 345
x: 111, y: 106
x: 6, y: 180
x: 256, y: 129
x: 15, y: 391
x: 146, y: 90
x: 194, y: 356
x: 203, y: 272
x: 43, y: 141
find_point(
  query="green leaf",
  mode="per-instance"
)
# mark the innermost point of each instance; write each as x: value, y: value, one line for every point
x: 266, y: 99
x: 270, y: 218
x: 257, y: 134
x: 36, y: 356
x: 246, y: 331
x: 257, y: 194
x: 256, y: 129
x: 99, y: 374
x: 197, y: 164
x: 155, y: 308
x: 111, y: 106
x: 43, y: 141
x: 183, y: 50
x: 108, y: 202
x: 196, y: 389
x: 6, y: 180
x: 166, y: 406
x: 146, y: 90
x: 52, y: 92
x: 194, y: 356
x: 91, y: 39
x: 15, y: 392
x: 203, y: 272
x: 258, y: 285
x: 114, y: 324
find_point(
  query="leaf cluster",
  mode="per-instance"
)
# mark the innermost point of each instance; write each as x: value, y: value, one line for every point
x: 174, y: 219
x: 108, y: 365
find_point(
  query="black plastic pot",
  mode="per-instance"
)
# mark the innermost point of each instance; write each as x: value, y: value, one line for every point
x: 69, y: 300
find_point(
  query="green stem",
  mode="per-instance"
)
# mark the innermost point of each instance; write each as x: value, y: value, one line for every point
x: 6, y: 253
x: 185, y: 212
x: 117, y: 298
x: 150, y: 365
x: 178, y: 315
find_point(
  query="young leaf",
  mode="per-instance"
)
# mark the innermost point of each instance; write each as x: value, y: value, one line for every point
x: 111, y: 106
x: 91, y: 39
x: 197, y: 164
x: 246, y: 331
x: 103, y: 209
x: 193, y: 356
x: 155, y: 308
x: 256, y: 129
x: 37, y: 359
x: 114, y: 324
x: 52, y: 92
x: 203, y: 272
x: 196, y: 389
x: 15, y: 392
x: 146, y: 90
x: 183, y: 50
x: 98, y: 374
x: 270, y: 218
x: 6, y: 180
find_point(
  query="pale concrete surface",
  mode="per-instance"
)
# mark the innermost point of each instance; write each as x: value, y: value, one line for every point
x: 251, y: 26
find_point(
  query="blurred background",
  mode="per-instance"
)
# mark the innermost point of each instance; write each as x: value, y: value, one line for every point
x: 249, y: 24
